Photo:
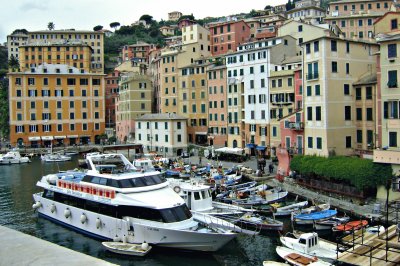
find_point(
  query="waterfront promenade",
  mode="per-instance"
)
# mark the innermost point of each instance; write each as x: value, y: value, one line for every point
x: 22, y: 249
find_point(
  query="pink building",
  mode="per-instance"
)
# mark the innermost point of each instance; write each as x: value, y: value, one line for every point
x: 138, y: 52
x: 185, y: 22
x: 227, y: 36
x: 217, y: 109
x: 111, y: 97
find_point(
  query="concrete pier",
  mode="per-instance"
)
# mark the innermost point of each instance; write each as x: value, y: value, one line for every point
x: 22, y: 249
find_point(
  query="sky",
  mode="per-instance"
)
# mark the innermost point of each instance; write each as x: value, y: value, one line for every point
x: 85, y: 14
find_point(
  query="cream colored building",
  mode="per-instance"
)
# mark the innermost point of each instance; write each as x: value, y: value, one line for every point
x: 174, y: 15
x: 331, y: 66
x: 135, y: 95
x: 14, y: 41
x: 304, y: 32
x: 162, y: 133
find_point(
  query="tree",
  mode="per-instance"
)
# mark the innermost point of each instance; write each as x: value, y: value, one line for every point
x: 51, y: 26
x: 147, y: 18
x: 115, y: 25
x: 13, y: 63
x: 97, y: 28
x: 4, y: 118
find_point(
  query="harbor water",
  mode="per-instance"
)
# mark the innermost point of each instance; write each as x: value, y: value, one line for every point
x: 18, y: 183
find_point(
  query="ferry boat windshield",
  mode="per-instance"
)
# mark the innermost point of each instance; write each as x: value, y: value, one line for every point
x: 140, y: 181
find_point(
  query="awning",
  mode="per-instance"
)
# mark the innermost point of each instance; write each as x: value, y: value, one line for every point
x: 250, y: 145
x: 47, y: 138
x: 72, y: 136
x: 201, y: 133
x: 260, y: 148
x: 84, y: 136
x: 59, y: 137
x: 33, y: 138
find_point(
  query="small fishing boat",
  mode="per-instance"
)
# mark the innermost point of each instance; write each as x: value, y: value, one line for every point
x: 55, y: 157
x: 350, y: 226
x: 311, y: 245
x: 312, y: 218
x: 13, y: 157
x: 260, y: 222
x: 287, y: 210
x: 297, y: 259
x: 329, y: 223
x: 377, y: 229
x: 128, y: 248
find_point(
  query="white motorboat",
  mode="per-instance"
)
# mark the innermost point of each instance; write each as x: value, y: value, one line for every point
x: 287, y: 210
x: 213, y: 214
x: 13, y: 157
x: 297, y: 259
x: 310, y: 244
x: 112, y: 200
x: 128, y: 248
x: 55, y: 157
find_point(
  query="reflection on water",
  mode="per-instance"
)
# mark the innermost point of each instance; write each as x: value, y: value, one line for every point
x: 18, y: 183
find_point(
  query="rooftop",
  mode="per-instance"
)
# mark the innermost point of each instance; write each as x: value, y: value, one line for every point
x: 164, y: 116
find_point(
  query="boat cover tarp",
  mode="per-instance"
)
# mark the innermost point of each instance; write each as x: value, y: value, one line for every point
x: 316, y: 215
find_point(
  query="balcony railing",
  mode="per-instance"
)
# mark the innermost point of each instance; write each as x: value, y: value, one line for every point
x: 312, y: 75
x: 296, y: 125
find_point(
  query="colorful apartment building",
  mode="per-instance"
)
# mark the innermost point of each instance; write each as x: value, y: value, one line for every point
x: 174, y: 15
x: 164, y: 134
x: 249, y: 68
x: 138, y: 52
x: 227, y: 36
x: 94, y: 39
x: 307, y: 11
x: 134, y: 100
x: 356, y: 18
x: 331, y: 66
x: 111, y: 97
x: 14, y: 41
x: 55, y: 104
x: 217, y: 105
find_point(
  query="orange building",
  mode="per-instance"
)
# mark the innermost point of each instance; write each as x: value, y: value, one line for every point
x: 55, y: 104
x: 226, y: 36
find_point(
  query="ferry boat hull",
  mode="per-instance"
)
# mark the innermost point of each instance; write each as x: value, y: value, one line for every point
x: 130, y: 229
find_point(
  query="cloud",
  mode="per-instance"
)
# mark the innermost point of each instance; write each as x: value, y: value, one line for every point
x: 34, y: 5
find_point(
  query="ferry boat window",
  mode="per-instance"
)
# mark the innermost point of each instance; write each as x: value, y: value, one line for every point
x: 112, y: 183
x: 302, y: 241
x: 176, y: 214
x: 138, y: 182
x: 204, y: 194
x: 103, y: 181
x: 95, y: 180
x: 125, y: 183
x: 196, y: 195
x: 48, y: 194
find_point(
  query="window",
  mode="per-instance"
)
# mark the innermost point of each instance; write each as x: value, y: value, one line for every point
x: 347, y: 113
x: 392, y: 50
x: 300, y: 28
x: 71, y: 81
x: 319, y: 143
x: 359, y: 114
x: 392, y: 79
x: 308, y: 90
x: 317, y: 90
x: 369, y: 114
x: 392, y: 139
x: 358, y: 93
x: 309, y: 113
x: 333, y: 46
x: 318, y: 113
x: 359, y: 136
x: 368, y: 95
x: 334, y: 67
x: 316, y: 46
x: 347, y: 68
x: 308, y: 48
x: 360, y: 22
x: 346, y: 89
x: 348, y: 142
x: 393, y: 24
x: 310, y: 142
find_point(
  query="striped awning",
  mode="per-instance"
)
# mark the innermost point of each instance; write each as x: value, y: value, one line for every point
x: 47, y: 137
x: 34, y: 138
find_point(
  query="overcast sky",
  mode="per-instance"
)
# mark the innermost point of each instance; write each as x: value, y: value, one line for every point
x: 85, y: 14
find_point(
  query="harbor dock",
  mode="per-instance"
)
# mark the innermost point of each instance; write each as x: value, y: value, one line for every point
x: 22, y: 249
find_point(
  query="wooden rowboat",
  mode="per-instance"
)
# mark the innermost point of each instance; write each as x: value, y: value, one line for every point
x: 349, y: 226
x: 127, y: 248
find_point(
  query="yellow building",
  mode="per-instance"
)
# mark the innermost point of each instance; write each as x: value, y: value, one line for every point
x: 282, y: 103
x: 77, y: 55
x: 95, y: 39
x: 135, y: 94
x: 56, y: 104
x: 331, y: 66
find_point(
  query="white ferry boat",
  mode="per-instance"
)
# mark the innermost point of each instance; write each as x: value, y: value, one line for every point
x: 114, y: 201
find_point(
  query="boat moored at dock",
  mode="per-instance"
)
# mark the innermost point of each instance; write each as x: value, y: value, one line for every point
x: 112, y: 200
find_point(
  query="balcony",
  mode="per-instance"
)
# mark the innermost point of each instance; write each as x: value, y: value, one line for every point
x: 391, y: 156
x: 296, y: 125
x: 312, y: 75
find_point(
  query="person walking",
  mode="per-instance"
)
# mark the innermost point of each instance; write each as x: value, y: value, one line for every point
x: 271, y: 168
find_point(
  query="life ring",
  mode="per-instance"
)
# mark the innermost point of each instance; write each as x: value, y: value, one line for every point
x: 177, y: 189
